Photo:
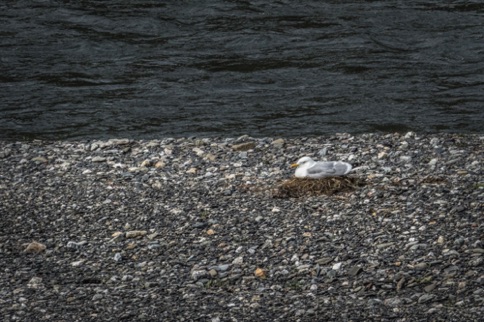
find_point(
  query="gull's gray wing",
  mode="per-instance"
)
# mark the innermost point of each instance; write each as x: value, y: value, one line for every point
x: 329, y: 168
x: 342, y: 168
x: 322, y: 168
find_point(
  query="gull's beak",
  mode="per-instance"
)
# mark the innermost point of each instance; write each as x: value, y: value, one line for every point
x: 294, y: 165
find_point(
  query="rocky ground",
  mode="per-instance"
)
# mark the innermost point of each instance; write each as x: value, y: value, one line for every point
x: 190, y: 229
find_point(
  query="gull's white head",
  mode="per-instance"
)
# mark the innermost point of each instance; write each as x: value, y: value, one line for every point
x: 303, y: 161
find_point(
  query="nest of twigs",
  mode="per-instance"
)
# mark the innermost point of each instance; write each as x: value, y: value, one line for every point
x: 297, y: 187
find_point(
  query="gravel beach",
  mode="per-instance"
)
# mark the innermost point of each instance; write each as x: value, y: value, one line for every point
x: 192, y: 230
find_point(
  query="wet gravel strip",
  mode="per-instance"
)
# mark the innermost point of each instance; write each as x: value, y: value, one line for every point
x: 188, y: 229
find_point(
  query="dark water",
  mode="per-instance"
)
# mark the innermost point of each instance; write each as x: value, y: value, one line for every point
x: 147, y: 69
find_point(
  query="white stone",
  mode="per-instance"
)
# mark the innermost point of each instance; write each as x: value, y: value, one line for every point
x: 77, y: 263
x: 337, y: 266
x: 440, y: 240
x: 198, y: 151
x: 406, y: 158
x: 323, y: 151
x: 409, y: 135
x: 433, y: 161
x: 238, y: 260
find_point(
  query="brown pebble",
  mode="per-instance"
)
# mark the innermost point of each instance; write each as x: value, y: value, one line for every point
x: 260, y: 273
x: 135, y: 233
x: 212, y: 273
x: 160, y: 164
x: 243, y: 146
x: 34, y: 247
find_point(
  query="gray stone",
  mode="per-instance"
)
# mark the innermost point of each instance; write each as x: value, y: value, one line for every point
x: 426, y: 298
x: 355, y: 270
x: 98, y: 159
x: 198, y: 274
x: 430, y: 287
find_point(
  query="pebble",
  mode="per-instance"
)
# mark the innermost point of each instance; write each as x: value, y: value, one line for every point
x: 40, y: 159
x: 35, y: 282
x: 238, y: 260
x: 192, y: 171
x: 72, y: 244
x: 160, y: 164
x: 97, y: 297
x: 430, y: 288
x: 337, y: 266
x: 382, y: 155
x: 476, y: 262
x: 406, y: 158
x: 393, y: 302
x: 243, y: 146
x: 34, y: 247
x: 420, y: 266
x: 135, y: 233
x: 221, y: 268
x: 323, y: 152
x: 426, y: 298
x: 433, y: 162
x: 355, y: 270
x: 278, y: 143
x: 77, y: 263
x: 153, y: 246
x: 213, y: 273
x: 98, y: 159
x: 260, y: 273
x: 198, y: 274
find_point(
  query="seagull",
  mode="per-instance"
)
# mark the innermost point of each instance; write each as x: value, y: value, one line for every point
x: 308, y: 168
